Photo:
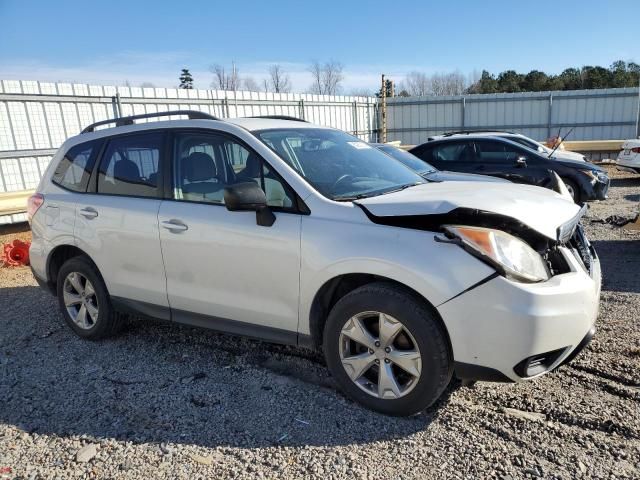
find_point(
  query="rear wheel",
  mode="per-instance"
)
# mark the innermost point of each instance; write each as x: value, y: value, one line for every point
x: 84, y: 300
x: 387, y: 350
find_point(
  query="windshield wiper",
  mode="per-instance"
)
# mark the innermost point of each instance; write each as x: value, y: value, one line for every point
x: 375, y: 194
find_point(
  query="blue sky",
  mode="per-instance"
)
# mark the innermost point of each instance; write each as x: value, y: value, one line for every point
x: 110, y: 42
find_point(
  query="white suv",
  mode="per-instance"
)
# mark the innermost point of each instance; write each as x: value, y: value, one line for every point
x: 295, y: 233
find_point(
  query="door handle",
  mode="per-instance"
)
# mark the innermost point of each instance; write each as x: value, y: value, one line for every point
x: 174, y: 226
x: 89, y: 212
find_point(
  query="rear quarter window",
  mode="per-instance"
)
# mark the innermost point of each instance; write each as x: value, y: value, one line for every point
x: 75, y: 168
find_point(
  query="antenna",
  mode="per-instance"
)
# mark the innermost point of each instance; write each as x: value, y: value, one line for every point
x: 559, y: 143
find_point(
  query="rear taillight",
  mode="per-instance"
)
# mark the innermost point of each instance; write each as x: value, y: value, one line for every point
x: 636, y: 150
x: 33, y: 204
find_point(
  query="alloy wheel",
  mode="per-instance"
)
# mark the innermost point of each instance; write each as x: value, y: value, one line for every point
x: 380, y: 355
x: 80, y: 300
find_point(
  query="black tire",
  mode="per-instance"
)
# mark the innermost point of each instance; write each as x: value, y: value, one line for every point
x: 108, y: 321
x: 423, y: 324
x: 573, y: 189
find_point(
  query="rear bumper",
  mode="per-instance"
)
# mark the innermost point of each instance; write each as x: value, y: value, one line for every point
x: 624, y: 168
x: 508, y: 331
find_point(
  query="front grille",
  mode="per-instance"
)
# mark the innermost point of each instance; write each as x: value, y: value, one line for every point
x: 581, y: 248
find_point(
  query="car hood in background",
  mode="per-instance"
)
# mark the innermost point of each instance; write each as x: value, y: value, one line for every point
x: 445, y: 176
x: 538, y: 208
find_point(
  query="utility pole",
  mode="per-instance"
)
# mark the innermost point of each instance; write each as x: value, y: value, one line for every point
x: 383, y: 112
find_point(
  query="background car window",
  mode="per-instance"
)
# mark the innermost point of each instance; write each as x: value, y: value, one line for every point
x: 130, y: 166
x: 75, y: 168
x: 205, y: 163
x: 490, y: 151
x: 453, y: 152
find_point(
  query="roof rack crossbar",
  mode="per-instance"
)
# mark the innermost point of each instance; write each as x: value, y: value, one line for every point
x: 479, y: 130
x: 119, y: 122
x: 279, y: 117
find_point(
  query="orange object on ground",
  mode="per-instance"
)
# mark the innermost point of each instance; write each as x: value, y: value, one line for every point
x: 15, y: 253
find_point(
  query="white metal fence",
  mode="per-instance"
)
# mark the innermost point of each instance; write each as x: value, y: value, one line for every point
x: 36, y: 117
x: 608, y: 114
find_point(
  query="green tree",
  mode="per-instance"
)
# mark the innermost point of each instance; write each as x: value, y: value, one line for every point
x: 595, y: 77
x: 535, y: 81
x: 486, y: 84
x: 571, y: 79
x: 186, y: 80
x: 509, y: 81
x: 388, y: 86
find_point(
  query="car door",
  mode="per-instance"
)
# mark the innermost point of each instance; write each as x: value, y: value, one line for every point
x: 451, y: 155
x: 223, y: 270
x: 502, y: 159
x: 117, y: 221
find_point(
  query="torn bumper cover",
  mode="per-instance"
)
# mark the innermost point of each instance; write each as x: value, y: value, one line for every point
x: 525, y: 330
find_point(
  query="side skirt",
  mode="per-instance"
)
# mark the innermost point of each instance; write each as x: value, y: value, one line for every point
x: 224, y: 325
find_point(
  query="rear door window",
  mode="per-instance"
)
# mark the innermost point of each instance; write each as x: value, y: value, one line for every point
x: 453, y: 152
x: 129, y: 165
x: 75, y: 168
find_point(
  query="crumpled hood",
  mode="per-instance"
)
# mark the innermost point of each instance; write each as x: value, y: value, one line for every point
x: 538, y: 208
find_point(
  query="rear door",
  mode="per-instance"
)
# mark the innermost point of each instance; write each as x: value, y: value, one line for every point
x: 117, y: 222
x: 501, y: 159
x: 223, y: 270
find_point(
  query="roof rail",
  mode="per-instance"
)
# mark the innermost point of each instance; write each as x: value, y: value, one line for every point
x: 119, y: 122
x: 280, y: 117
x: 468, y: 132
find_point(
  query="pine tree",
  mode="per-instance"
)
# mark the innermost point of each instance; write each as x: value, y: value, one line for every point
x: 186, y: 80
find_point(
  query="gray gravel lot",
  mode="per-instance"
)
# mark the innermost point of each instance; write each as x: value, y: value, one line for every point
x: 166, y: 401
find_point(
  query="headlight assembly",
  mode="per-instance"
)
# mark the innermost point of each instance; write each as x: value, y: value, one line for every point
x: 509, y: 255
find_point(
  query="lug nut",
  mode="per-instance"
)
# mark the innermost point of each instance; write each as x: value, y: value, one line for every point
x: 386, y: 360
x: 371, y: 350
x: 388, y: 350
x: 377, y: 344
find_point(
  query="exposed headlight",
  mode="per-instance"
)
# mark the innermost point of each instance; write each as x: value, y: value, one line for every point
x: 596, y: 175
x: 512, y: 257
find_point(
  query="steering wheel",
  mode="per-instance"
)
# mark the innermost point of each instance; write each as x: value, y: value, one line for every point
x: 342, y: 179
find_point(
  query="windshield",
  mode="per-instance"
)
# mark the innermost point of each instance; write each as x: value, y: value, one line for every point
x: 338, y: 165
x: 411, y: 161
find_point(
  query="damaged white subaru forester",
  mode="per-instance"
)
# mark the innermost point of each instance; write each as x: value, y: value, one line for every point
x: 295, y: 233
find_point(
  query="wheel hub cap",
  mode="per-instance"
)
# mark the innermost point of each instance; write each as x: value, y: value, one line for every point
x: 380, y: 355
x: 80, y: 300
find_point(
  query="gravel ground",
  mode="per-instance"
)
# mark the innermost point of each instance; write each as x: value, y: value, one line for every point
x: 166, y: 401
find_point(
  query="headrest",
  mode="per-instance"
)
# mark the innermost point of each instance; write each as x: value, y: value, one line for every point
x: 198, y: 166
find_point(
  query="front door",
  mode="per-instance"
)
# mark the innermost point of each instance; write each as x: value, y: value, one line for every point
x: 223, y: 270
x: 500, y: 159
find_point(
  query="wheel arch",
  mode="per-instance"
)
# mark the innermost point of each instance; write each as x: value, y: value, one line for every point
x: 58, y: 256
x: 339, y: 286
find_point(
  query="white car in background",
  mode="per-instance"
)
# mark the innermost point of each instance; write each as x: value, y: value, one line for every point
x: 629, y: 157
x: 522, y: 140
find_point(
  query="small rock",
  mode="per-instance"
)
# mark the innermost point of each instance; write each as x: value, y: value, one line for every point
x: 582, y: 467
x: 532, y: 416
x: 86, y: 453
x: 166, y: 449
x: 200, y: 459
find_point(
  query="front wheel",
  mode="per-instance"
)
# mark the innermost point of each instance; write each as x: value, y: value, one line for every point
x: 387, y: 350
x: 573, y: 190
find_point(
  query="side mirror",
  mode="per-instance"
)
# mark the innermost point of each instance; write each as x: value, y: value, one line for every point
x: 521, y: 161
x: 248, y: 196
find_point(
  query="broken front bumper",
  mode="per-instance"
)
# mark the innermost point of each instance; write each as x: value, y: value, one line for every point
x: 509, y: 331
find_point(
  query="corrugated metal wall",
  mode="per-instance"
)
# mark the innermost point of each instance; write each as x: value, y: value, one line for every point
x: 608, y: 114
x: 36, y: 117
